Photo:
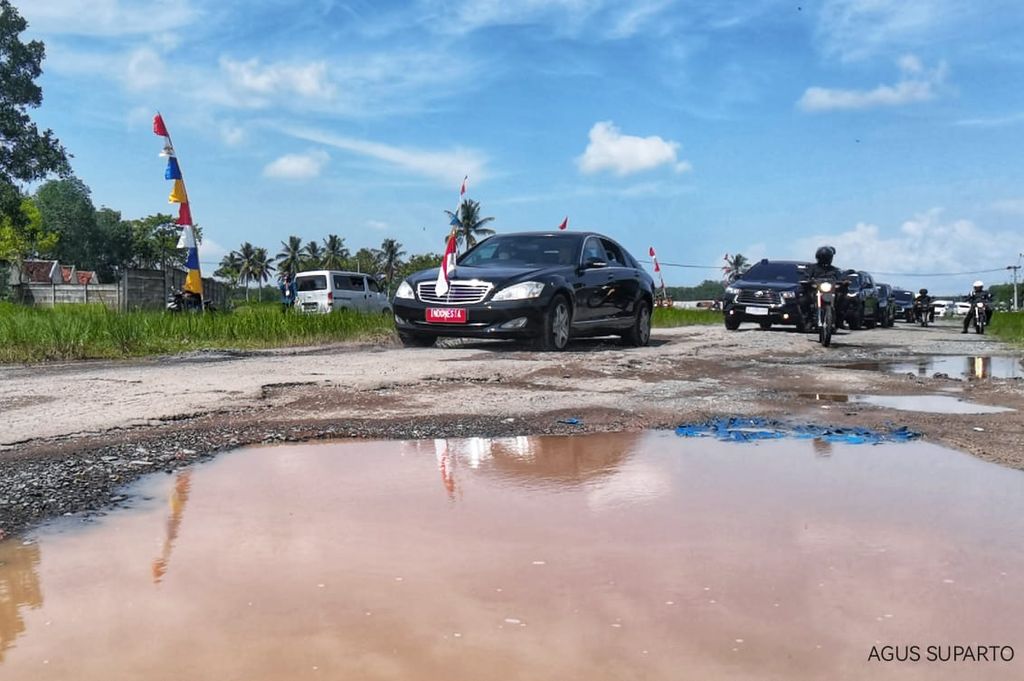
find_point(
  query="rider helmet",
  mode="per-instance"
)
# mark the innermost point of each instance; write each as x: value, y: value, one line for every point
x: 824, y: 255
x: 923, y: 292
x: 978, y: 285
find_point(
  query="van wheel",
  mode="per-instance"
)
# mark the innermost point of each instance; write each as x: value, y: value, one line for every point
x: 417, y: 340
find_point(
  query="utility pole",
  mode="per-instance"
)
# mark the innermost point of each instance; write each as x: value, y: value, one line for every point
x: 1014, y: 268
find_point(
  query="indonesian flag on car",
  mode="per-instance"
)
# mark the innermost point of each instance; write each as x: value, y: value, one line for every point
x: 564, y: 224
x: 444, y: 272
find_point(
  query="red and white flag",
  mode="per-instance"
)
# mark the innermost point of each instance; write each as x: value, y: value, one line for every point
x: 565, y: 223
x: 444, y: 272
x: 465, y: 183
x: 657, y: 267
x: 158, y: 126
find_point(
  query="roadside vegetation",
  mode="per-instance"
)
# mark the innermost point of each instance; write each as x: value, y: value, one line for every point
x: 91, y: 331
x: 1009, y: 326
x: 668, y: 317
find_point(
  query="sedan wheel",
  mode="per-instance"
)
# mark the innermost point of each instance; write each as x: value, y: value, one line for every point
x: 557, y: 322
x: 639, y: 334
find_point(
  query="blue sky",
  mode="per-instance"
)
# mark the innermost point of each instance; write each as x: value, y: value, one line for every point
x: 893, y: 130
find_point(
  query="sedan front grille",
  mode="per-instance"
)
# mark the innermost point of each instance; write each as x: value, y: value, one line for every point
x: 459, y: 292
x: 759, y: 297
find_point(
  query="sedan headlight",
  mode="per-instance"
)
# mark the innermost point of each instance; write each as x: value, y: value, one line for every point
x: 788, y: 295
x: 404, y: 291
x: 825, y: 286
x: 522, y: 291
x: 731, y: 290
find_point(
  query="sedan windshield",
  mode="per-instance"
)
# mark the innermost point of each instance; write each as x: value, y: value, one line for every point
x: 523, y: 251
x: 789, y: 272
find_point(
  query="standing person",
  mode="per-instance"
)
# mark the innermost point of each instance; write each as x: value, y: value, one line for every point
x: 977, y: 293
x: 287, y: 287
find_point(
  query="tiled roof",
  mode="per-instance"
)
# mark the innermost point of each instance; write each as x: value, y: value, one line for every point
x: 65, y: 273
x: 38, y: 271
x: 85, y: 277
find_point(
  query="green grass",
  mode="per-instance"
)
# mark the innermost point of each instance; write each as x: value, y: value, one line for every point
x: 1008, y: 326
x: 668, y: 317
x: 91, y: 331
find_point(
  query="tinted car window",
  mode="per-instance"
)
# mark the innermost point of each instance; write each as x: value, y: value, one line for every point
x: 776, y: 271
x: 499, y: 251
x: 317, y: 282
x: 374, y: 286
x: 903, y: 296
x: 615, y: 256
x: 594, y: 250
x: 854, y: 281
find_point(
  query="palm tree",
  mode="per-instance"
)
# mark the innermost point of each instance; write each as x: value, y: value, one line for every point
x: 313, y: 256
x: 247, y: 265
x: 390, y: 257
x: 335, y: 254
x: 231, y: 269
x: 289, y: 260
x: 262, y: 267
x: 468, y: 224
x: 735, y: 266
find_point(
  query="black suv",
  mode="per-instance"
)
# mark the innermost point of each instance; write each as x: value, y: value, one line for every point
x: 904, y: 304
x: 768, y: 293
x: 887, y: 307
x: 861, y: 301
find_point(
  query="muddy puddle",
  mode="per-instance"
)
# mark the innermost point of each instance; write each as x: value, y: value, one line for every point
x: 627, y: 556
x: 936, y: 404
x: 954, y: 366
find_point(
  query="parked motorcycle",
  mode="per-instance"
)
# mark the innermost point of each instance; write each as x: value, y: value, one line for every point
x: 186, y: 301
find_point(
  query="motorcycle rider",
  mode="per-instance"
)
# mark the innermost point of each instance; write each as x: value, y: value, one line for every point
x: 823, y: 269
x: 923, y: 305
x: 978, y: 293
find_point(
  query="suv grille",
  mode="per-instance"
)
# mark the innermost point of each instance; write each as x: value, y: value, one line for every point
x: 459, y: 292
x: 768, y: 297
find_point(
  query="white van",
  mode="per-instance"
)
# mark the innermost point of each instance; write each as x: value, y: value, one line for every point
x: 327, y: 290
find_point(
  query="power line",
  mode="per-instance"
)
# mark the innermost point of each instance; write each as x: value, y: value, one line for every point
x: 937, y: 274
x: 676, y: 264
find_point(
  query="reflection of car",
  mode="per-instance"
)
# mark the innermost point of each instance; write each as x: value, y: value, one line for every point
x: 547, y: 286
x: 861, y: 301
x: 328, y: 290
x: 886, y: 305
x: 942, y: 308
x: 904, y: 304
x: 961, y: 308
x: 768, y: 293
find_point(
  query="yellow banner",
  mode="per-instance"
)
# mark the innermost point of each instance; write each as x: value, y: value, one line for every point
x: 193, y: 282
x: 178, y: 194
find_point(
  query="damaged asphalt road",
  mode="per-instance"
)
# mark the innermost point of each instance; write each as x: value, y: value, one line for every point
x: 71, y: 435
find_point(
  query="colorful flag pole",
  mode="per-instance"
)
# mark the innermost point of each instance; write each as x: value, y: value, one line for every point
x: 447, y: 267
x: 657, y: 269
x: 178, y: 195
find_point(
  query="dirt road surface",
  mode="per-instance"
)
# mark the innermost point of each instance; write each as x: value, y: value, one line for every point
x: 72, y: 434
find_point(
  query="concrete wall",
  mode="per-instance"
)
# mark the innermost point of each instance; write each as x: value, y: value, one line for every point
x: 137, y: 290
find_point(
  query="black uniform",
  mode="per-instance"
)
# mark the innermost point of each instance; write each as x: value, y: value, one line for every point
x: 973, y: 297
x: 822, y: 272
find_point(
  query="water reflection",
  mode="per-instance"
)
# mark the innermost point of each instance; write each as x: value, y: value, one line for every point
x: 19, y: 588
x: 178, y: 499
x: 956, y: 366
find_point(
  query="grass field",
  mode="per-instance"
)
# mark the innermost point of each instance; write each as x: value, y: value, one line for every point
x: 1008, y: 326
x: 88, y: 331
x: 668, y: 317
x: 93, y: 332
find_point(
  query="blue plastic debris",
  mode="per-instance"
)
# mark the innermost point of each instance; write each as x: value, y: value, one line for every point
x: 571, y: 422
x: 742, y: 429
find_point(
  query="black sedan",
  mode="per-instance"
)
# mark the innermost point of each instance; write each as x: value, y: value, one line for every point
x: 544, y: 286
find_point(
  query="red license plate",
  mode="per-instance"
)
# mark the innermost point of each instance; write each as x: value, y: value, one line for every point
x: 446, y: 315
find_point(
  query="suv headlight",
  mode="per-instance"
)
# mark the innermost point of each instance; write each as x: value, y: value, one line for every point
x: 404, y: 291
x: 522, y: 291
x: 731, y: 290
x: 788, y: 295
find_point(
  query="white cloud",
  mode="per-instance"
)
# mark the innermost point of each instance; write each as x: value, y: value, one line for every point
x: 106, y: 18
x: 447, y: 166
x: 145, y: 69
x: 993, y: 122
x: 1010, y: 206
x: 297, y: 166
x: 916, y: 84
x: 378, y: 225
x: 622, y: 154
x: 305, y: 80
x: 857, y: 29
x: 926, y: 244
x: 232, y: 134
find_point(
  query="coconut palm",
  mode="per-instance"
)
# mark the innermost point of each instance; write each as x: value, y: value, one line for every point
x: 735, y: 266
x: 230, y: 268
x: 335, y: 254
x: 289, y: 260
x: 263, y: 266
x: 247, y: 265
x: 468, y: 224
x: 390, y: 257
x: 313, y: 255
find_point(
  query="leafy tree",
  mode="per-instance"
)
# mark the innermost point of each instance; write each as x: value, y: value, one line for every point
x: 418, y: 262
x: 735, y: 266
x: 155, y: 242
x: 24, y: 236
x: 65, y: 207
x: 390, y: 257
x: 365, y: 260
x: 706, y: 290
x: 335, y: 253
x: 115, y: 250
x: 468, y: 224
x: 289, y: 259
x: 230, y: 269
x: 263, y: 266
x: 248, y: 271
x: 26, y: 155
x: 314, y: 255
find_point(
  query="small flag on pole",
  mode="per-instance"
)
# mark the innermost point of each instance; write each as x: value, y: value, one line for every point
x: 565, y: 223
x: 178, y: 194
x: 444, y: 272
x: 465, y: 183
x: 173, y: 171
x: 184, y: 214
x: 158, y: 126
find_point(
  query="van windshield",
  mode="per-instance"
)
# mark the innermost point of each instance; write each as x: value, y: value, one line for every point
x: 316, y: 282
